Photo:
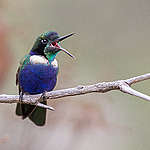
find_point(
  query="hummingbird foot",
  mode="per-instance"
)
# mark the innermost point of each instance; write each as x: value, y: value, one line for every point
x: 21, y: 97
x: 43, y: 96
x: 43, y: 102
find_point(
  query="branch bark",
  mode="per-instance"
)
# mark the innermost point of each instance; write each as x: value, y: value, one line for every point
x: 102, y: 87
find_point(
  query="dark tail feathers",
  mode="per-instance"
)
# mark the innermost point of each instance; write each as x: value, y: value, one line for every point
x: 38, y: 116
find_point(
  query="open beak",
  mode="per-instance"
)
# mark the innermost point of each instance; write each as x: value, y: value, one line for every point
x: 62, y: 49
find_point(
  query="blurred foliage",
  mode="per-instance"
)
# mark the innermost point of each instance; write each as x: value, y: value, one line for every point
x: 112, y: 42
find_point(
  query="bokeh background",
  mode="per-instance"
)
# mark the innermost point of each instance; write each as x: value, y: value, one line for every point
x: 112, y: 42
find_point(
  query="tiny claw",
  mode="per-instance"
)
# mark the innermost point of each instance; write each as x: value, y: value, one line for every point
x: 21, y: 96
x: 43, y: 96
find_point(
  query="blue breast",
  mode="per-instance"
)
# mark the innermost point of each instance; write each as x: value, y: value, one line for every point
x: 37, y: 78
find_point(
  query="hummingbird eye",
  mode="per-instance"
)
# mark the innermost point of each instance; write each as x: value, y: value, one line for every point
x: 44, y: 41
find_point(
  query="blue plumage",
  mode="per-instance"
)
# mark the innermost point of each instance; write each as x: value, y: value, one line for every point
x: 37, y: 78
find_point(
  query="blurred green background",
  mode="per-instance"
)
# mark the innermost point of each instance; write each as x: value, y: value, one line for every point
x: 112, y: 42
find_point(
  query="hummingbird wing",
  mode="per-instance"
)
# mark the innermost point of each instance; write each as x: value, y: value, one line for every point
x: 17, y: 74
x: 24, y: 60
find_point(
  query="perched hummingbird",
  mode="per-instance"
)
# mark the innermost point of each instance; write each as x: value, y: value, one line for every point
x: 37, y: 74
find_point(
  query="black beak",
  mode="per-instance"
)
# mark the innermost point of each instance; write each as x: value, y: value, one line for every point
x: 63, y: 37
x: 64, y: 50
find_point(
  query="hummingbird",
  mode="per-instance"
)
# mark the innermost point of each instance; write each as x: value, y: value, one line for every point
x: 37, y: 74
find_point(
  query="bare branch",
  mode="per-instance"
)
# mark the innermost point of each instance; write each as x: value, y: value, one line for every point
x: 45, y: 106
x: 122, y: 85
x: 138, y: 79
x: 127, y: 89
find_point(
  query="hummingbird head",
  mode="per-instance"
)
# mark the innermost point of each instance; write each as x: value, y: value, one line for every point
x: 47, y: 44
x: 41, y: 42
x: 53, y: 47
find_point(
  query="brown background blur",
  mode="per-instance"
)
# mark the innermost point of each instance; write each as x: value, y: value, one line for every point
x: 112, y: 42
